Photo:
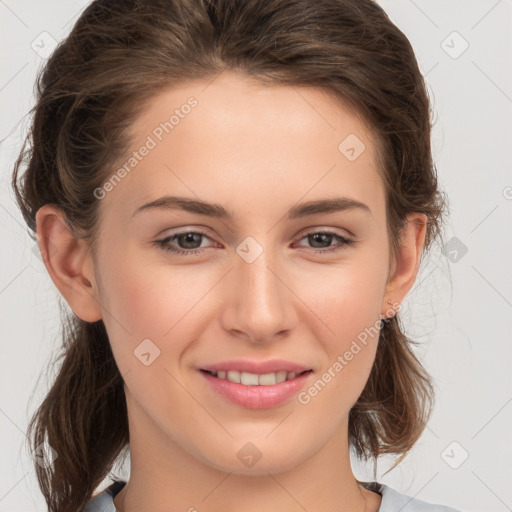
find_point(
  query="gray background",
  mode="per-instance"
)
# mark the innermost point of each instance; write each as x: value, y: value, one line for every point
x: 460, y: 308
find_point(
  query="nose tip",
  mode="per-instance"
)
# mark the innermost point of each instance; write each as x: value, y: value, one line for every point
x: 261, y: 307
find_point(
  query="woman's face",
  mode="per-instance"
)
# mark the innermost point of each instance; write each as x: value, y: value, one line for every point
x: 259, y: 286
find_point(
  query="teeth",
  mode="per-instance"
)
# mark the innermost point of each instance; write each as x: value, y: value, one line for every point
x: 281, y: 376
x: 253, y: 379
x: 249, y: 379
x: 234, y: 376
x: 269, y: 379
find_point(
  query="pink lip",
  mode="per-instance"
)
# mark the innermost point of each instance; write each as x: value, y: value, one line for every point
x: 259, y: 367
x: 256, y: 397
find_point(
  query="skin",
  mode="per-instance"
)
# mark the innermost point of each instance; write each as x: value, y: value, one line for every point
x: 257, y: 150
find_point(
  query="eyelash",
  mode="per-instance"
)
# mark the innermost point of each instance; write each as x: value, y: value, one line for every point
x: 164, y: 243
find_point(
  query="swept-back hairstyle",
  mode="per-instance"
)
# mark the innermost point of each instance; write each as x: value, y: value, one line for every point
x: 92, y: 88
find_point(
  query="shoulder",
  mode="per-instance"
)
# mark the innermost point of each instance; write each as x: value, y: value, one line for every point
x: 104, y: 501
x: 393, y: 500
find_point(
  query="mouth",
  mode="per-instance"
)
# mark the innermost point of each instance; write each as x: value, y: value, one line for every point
x: 255, y: 390
x: 255, y: 379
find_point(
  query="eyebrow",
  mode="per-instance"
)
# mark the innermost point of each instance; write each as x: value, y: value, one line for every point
x: 336, y: 204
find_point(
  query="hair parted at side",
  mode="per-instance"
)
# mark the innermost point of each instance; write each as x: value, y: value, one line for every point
x: 92, y: 88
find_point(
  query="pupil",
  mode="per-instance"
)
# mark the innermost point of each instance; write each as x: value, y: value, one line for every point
x: 189, y: 237
x: 323, y: 235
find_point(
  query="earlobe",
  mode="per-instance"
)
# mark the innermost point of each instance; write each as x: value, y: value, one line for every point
x: 407, y: 261
x: 68, y: 263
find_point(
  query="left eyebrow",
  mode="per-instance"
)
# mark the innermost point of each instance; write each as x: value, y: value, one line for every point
x: 336, y: 204
x: 218, y: 211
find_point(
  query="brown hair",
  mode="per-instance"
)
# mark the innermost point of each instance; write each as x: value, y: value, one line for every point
x: 91, y: 90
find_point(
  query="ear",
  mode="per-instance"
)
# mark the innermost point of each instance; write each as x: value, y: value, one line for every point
x: 68, y: 262
x: 406, y: 263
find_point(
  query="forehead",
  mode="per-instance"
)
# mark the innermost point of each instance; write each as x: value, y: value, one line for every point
x: 239, y: 141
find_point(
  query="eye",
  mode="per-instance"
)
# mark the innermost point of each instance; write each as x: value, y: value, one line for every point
x: 189, y: 239
x: 189, y: 242
x: 324, y: 238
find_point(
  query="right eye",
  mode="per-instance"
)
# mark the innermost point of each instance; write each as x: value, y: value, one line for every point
x: 184, y: 237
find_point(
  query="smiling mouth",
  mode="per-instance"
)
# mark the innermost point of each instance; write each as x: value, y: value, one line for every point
x: 254, y: 379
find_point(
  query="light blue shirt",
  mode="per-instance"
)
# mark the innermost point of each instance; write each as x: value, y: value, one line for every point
x: 392, y: 501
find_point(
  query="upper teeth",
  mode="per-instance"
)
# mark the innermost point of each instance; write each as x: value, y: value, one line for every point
x: 253, y: 379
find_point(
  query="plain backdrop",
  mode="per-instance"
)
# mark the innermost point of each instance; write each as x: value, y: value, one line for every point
x: 460, y: 308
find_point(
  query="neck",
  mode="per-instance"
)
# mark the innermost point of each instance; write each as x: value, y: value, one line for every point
x: 164, y: 476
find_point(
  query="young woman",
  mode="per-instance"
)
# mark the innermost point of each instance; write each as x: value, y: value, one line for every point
x: 234, y: 198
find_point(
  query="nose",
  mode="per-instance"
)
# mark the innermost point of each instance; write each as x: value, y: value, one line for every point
x: 261, y: 302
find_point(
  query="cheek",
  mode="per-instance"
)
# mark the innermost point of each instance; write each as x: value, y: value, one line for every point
x: 152, y: 301
x: 351, y: 311
x: 349, y: 305
x: 346, y: 298
x: 171, y: 305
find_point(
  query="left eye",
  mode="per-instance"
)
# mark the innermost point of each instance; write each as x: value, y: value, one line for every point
x: 327, y: 236
x: 190, y: 239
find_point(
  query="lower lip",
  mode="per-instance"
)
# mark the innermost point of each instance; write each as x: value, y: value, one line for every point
x: 256, y: 397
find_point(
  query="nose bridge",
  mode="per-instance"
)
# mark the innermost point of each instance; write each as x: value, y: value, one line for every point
x: 258, y: 276
x: 261, y: 304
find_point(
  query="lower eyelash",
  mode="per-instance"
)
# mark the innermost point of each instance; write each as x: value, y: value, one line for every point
x: 164, y: 244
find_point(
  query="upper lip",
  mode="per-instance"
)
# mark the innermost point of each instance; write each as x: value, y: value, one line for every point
x: 258, y: 367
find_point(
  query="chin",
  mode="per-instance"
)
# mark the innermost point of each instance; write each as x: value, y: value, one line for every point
x: 259, y: 469
x: 260, y: 465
